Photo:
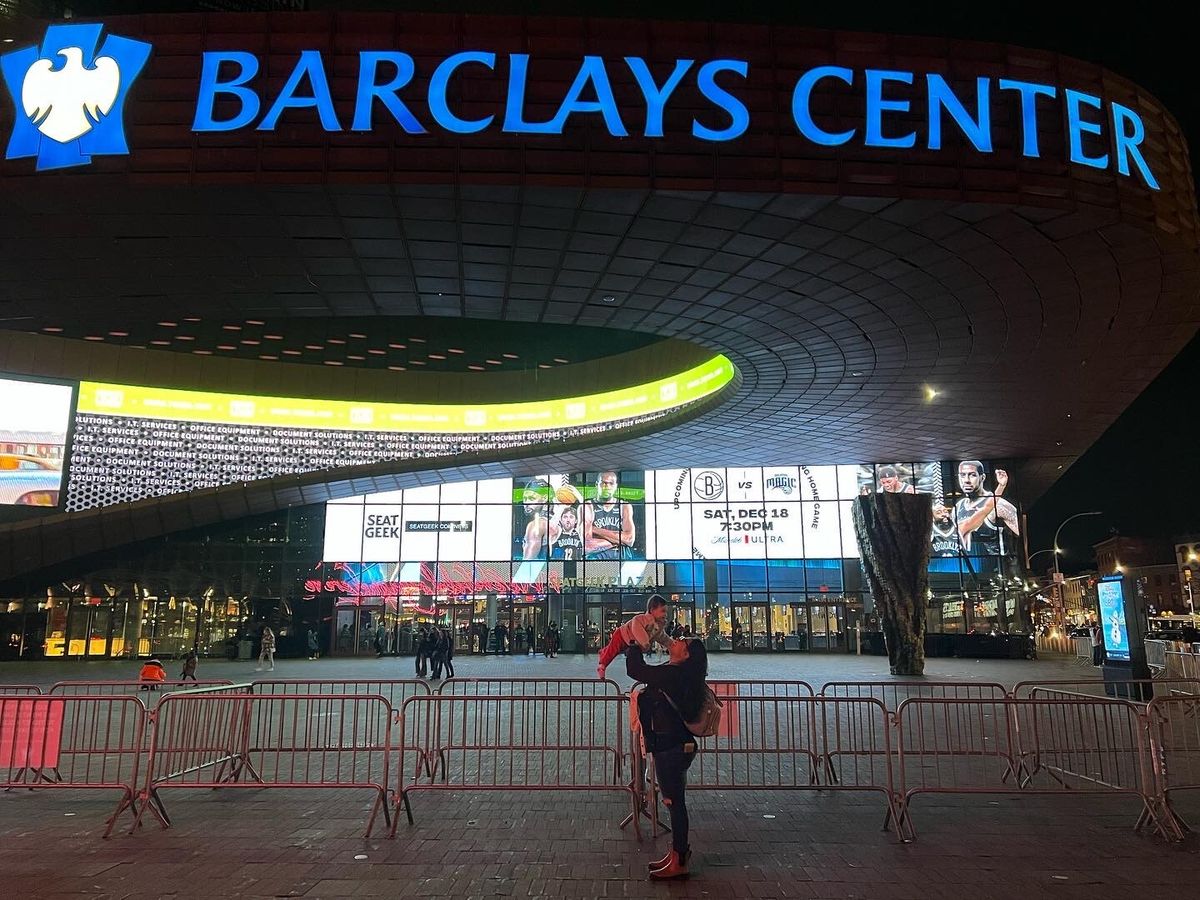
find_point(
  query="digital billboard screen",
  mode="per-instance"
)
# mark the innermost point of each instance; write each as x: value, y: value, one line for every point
x: 1111, y: 595
x: 35, y: 426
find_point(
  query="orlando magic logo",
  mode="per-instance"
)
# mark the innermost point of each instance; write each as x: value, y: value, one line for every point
x: 70, y: 94
x: 784, y: 483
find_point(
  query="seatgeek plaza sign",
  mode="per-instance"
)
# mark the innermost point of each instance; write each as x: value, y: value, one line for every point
x: 68, y: 92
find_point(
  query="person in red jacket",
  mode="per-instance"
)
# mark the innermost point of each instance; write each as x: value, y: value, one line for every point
x: 152, y: 675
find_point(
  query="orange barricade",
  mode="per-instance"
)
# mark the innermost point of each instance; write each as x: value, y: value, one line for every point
x: 242, y: 740
x: 1174, y: 724
x: 73, y: 743
x: 893, y: 693
x: 507, y: 742
x: 1053, y: 745
x: 530, y: 687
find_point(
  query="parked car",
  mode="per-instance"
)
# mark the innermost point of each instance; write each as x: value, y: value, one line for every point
x: 28, y: 481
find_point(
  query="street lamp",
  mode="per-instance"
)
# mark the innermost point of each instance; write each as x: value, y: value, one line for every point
x: 1029, y: 562
x: 1057, y: 551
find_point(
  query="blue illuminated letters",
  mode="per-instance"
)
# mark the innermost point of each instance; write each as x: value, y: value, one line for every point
x: 895, y: 108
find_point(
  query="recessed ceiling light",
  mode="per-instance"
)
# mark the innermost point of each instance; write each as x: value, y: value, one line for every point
x: 226, y: 347
x: 314, y: 346
x: 192, y: 319
x: 202, y: 352
x: 168, y: 324
x: 559, y: 359
x: 377, y: 352
x: 292, y: 353
x: 223, y: 327
x: 255, y: 322
x: 161, y: 343
x: 355, y: 334
x: 437, y: 356
x: 337, y: 341
x: 398, y: 346
x: 476, y: 368
x: 273, y: 337
x: 359, y: 358
x: 417, y: 340
x: 92, y: 337
x: 184, y: 337
x: 543, y: 366
x: 398, y: 368
x: 856, y: 374
x: 417, y: 362
x: 930, y: 393
x: 510, y: 356
x: 250, y: 342
x: 609, y: 298
x: 494, y: 362
x: 454, y: 350
x: 119, y: 333
x: 267, y: 356
x: 331, y: 362
x: 52, y: 328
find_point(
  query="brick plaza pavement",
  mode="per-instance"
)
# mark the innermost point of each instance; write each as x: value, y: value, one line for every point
x: 748, y: 845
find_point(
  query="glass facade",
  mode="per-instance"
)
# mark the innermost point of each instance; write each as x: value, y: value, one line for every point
x: 752, y: 560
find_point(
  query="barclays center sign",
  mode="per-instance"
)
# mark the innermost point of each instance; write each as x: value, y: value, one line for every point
x: 70, y: 93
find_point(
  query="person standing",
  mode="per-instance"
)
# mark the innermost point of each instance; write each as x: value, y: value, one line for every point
x: 530, y: 640
x: 266, y: 651
x: 674, y: 695
x: 380, y: 639
x: 314, y: 646
x: 420, y: 647
x: 1097, y: 645
x: 437, y: 652
x: 501, y: 639
x: 448, y: 657
x: 189, y: 665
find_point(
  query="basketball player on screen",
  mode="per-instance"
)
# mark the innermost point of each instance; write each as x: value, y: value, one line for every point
x: 608, y: 530
x: 983, y: 517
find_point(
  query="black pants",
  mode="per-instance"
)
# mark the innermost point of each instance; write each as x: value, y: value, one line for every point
x: 1098, y: 655
x: 449, y: 666
x: 436, y: 660
x: 671, y: 768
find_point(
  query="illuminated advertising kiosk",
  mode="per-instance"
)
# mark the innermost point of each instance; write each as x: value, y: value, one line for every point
x: 1123, y: 631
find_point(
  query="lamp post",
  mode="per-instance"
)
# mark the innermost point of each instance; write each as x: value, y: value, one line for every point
x: 1058, y: 531
x: 1029, y: 562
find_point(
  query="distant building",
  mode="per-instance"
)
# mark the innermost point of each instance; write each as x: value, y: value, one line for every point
x: 1129, y: 553
x: 1187, y: 562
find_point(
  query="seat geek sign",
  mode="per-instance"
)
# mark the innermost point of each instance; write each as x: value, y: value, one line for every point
x: 895, y: 110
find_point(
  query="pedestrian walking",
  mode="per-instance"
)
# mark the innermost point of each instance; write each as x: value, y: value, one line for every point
x: 675, y: 694
x: 380, y: 640
x: 189, y: 665
x: 266, y: 651
x: 314, y: 646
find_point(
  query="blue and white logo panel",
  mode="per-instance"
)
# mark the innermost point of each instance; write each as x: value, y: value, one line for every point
x: 69, y: 95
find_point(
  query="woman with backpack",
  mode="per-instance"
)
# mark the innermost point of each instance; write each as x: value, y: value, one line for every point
x: 676, y: 693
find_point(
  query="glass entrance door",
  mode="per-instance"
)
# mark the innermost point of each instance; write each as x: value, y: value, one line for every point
x: 749, y: 627
x: 827, y: 626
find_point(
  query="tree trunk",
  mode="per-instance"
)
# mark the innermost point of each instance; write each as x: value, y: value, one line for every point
x: 893, y: 535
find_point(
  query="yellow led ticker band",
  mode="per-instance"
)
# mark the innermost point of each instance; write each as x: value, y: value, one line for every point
x: 658, y: 396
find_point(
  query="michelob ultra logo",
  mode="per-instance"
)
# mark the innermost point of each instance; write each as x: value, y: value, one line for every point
x: 69, y: 95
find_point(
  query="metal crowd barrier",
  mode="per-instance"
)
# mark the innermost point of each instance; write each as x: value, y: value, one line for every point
x: 1135, y: 689
x: 12, y: 690
x: 1070, y: 747
x: 149, y: 692
x: 243, y: 740
x: 1083, y: 650
x: 725, y: 687
x: 73, y: 743
x: 1156, y: 654
x: 395, y: 691
x: 1181, y: 664
x: 530, y: 687
x: 893, y: 693
x: 507, y: 742
x: 1174, y: 725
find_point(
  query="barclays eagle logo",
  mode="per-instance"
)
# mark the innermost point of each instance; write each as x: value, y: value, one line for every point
x: 70, y: 96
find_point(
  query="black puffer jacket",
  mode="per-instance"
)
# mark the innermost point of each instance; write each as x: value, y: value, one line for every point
x: 662, y: 726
